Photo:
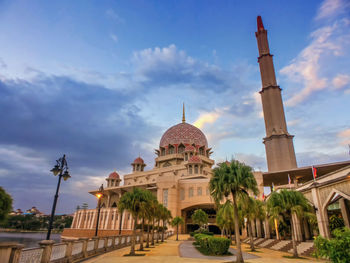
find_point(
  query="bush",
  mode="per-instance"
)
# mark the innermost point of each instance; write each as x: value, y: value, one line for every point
x: 218, y: 245
x: 201, y: 231
x: 336, y: 249
x: 210, y: 245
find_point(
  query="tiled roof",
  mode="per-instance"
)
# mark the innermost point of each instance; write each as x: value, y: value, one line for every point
x: 195, y: 159
x: 139, y: 160
x: 114, y: 175
x: 183, y: 133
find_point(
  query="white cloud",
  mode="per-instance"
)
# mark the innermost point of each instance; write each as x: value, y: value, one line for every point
x: 330, y: 8
x: 327, y: 42
x: 207, y: 117
x: 340, y: 81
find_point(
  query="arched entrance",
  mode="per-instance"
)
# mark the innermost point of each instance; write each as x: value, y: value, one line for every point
x: 211, y: 212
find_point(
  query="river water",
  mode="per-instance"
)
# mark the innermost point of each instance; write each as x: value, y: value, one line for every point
x: 27, y: 239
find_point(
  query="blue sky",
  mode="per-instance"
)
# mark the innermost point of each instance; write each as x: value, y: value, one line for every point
x: 102, y: 80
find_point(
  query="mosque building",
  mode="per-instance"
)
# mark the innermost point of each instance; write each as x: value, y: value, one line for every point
x: 183, y: 168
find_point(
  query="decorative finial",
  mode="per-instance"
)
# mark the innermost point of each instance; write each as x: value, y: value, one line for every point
x: 183, y: 113
x: 260, y: 24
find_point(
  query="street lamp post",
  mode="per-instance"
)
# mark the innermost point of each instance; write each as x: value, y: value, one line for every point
x: 60, y: 169
x: 99, y: 196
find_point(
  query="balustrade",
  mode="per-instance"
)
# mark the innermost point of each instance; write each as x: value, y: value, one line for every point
x: 48, y: 252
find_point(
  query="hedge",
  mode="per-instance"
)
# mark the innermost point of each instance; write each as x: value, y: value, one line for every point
x: 212, y: 245
x: 201, y: 232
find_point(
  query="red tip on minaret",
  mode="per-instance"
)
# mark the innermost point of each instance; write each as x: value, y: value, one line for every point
x: 260, y: 24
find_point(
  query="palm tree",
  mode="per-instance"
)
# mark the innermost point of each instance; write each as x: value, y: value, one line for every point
x: 144, y: 215
x: 150, y: 217
x: 132, y: 202
x: 153, y: 215
x: 166, y: 216
x: 178, y: 220
x: 200, y: 218
x: 234, y: 179
x: 159, y: 218
x: 287, y: 203
x: 224, y: 217
x: 248, y: 209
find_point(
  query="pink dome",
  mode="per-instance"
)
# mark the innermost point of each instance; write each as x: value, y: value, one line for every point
x: 183, y: 133
x: 114, y: 175
x: 139, y: 160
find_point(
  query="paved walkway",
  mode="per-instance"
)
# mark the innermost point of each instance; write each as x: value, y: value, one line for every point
x: 187, y: 250
x: 169, y: 252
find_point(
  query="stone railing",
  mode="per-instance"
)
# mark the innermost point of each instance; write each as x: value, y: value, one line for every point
x: 67, y: 251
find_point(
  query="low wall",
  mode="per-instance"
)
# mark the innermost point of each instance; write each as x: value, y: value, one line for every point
x: 75, y: 232
x: 67, y: 251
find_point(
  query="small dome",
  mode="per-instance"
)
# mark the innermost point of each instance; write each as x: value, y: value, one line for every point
x: 195, y: 159
x: 139, y: 160
x: 114, y: 175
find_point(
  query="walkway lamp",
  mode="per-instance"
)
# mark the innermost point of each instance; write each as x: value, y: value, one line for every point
x: 60, y: 169
x: 99, y: 195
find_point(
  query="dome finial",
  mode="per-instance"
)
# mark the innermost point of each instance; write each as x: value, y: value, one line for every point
x: 183, y: 113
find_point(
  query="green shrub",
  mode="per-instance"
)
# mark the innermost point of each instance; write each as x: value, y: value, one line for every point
x: 212, y: 245
x: 336, y: 249
x: 218, y: 245
x: 201, y: 231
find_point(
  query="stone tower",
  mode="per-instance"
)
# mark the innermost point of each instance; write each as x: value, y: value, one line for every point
x: 278, y: 142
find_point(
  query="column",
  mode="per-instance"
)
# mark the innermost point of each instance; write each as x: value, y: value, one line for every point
x: 267, y: 228
x: 107, y: 218
x: 306, y: 229
x: 297, y: 228
x: 253, y: 228
x: 258, y: 227
x: 92, y: 222
x: 321, y: 214
x: 344, y: 212
x: 74, y: 219
x: 114, y: 219
x: 80, y: 218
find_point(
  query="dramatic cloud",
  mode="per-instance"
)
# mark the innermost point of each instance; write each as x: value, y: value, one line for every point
x: 169, y: 66
x: 206, y: 117
x: 327, y: 43
x: 52, y: 115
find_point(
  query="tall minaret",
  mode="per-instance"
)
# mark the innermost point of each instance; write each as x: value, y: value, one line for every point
x: 278, y: 142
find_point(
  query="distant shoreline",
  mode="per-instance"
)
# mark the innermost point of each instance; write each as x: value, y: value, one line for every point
x: 7, y: 230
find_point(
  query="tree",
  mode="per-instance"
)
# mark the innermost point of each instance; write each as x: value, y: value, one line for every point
x: 165, y: 216
x: 286, y: 204
x: 235, y: 179
x: 224, y: 217
x: 200, y: 218
x: 158, y: 216
x: 178, y: 220
x: 132, y: 202
x: 153, y: 216
x: 5, y: 204
x: 144, y: 215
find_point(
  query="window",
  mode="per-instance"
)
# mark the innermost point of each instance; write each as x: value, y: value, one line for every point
x: 201, y: 169
x: 182, y: 194
x: 186, y: 157
x: 190, y: 169
x: 201, y: 151
x: 171, y: 149
x: 114, y: 204
x: 196, y: 169
x: 165, y: 197
x: 162, y: 152
x: 199, y: 191
x: 190, y: 192
x: 181, y: 148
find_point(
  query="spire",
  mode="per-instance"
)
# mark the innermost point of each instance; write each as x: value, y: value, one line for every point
x: 260, y: 24
x: 183, y: 113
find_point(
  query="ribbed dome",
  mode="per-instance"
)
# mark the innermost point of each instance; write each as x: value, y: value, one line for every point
x: 114, y: 175
x: 183, y: 133
x: 138, y: 160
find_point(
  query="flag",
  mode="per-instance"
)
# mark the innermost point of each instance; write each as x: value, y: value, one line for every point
x: 314, y: 172
x: 349, y: 148
x: 272, y: 187
x: 263, y: 196
x: 289, y: 181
